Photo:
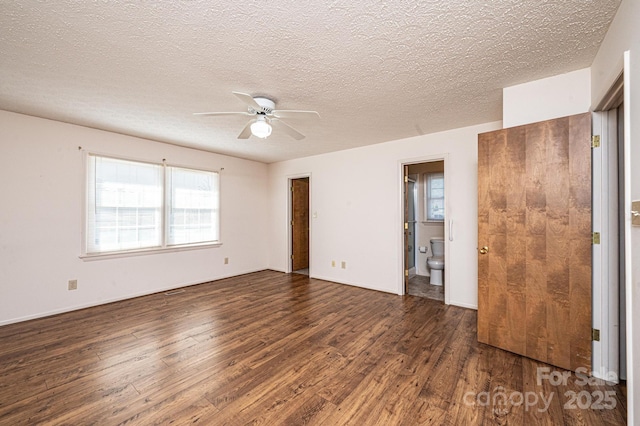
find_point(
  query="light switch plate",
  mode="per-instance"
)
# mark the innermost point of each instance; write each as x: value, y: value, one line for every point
x: 635, y: 206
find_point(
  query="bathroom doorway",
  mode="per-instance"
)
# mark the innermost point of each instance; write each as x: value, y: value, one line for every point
x: 425, y: 220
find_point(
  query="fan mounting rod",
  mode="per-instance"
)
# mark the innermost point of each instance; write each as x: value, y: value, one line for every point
x: 267, y: 105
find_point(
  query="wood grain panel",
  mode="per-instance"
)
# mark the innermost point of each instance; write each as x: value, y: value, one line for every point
x: 558, y: 243
x: 580, y: 226
x: 515, y: 181
x: 499, y: 328
x: 484, y: 141
x: 536, y: 240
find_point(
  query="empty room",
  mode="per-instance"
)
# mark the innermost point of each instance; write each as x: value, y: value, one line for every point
x: 394, y: 213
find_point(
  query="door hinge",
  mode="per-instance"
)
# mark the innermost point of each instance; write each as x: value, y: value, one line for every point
x: 595, y: 141
x: 595, y: 238
x: 291, y: 223
x: 595, y: 334
x: 406, y: 272
x: 291, y: 257
x: 406, y: 179
x: 635, y: 213
x: 292, y: 189
x: 406, y: 225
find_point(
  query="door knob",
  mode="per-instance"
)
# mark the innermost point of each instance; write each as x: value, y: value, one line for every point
x: 484, y: 250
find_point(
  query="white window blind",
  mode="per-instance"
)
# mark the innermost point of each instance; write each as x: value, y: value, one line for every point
x: 135, y: 206
x: 435, y: 196
x: 193, y: 206
x: 125, y: 204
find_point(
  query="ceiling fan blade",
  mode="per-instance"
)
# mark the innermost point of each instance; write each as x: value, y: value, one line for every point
x: 292, y: 113
x: 246, y: 132
x: 222, y: 113
x: 287, y: 129
x: 248, y: 99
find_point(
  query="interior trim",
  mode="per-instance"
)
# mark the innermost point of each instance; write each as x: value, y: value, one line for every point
x: 614, y: 96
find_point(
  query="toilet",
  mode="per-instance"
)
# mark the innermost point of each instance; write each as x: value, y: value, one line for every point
x: 436, y: 261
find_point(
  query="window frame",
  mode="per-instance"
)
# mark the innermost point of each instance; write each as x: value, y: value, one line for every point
x: 165, y: 246
x: 427, y: 196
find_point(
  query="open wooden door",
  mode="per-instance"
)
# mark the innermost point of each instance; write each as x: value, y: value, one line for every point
x: 300, y: 224
x: 534, y: 238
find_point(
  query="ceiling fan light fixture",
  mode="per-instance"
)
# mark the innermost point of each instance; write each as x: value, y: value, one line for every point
x: 262, y: 112
x: 261, y: 128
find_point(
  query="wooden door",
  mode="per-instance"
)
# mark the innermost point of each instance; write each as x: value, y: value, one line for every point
x: 534, y: 240
x: 300, y: 224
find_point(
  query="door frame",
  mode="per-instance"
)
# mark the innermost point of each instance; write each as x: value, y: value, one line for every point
x: 606, y: 255
x: 448, y: 220
x: 415, y: 217
x: 607, y: 352
x: 290, y: 180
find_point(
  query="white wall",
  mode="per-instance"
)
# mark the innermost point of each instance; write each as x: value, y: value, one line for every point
x: 42, y: 190
x: 357, y: 197
x: 624, y: 35
x: 553, y: 97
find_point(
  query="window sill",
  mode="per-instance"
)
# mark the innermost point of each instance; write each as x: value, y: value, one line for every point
x: 144, y: 252
x: 433, y: 222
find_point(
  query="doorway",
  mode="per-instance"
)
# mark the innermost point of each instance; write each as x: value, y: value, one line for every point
x: 299, y: 208
x: 424, y: 220
x: 616, y: 310
x: 609, y: 351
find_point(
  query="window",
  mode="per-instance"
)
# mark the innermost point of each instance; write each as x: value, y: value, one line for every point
x: 137, y: 206
x: 435, y: 196
x: 193, y: 202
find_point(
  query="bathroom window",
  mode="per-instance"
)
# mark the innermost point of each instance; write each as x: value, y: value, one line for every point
x: 435, y: 197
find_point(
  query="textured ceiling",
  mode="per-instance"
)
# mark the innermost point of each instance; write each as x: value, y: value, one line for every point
x: 375, y: 70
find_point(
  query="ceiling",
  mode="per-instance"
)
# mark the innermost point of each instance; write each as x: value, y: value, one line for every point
x: 376, y: 71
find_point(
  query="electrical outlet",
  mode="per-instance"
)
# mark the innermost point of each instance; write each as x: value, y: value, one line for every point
x: 73, y: 284
x: 344, y: 265
x: 226, y: 260
x: 333, y: 263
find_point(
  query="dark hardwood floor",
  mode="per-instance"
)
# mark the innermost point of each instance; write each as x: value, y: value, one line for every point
x: 271, y: 348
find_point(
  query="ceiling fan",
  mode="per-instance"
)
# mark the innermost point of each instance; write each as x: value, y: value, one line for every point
x: 265, y: 116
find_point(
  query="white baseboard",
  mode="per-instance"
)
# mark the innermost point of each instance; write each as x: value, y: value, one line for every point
x: 384, y: 290
x: 464, y: 305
